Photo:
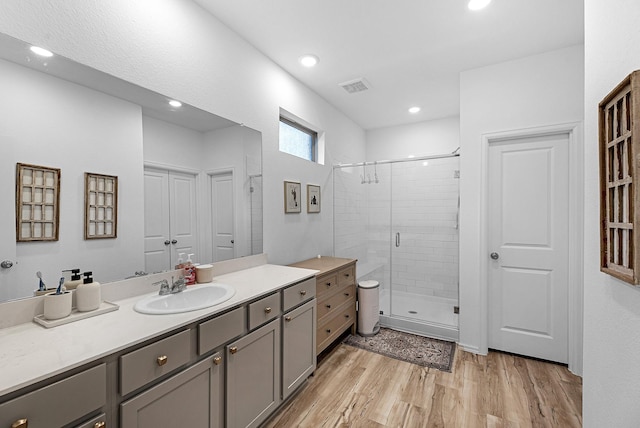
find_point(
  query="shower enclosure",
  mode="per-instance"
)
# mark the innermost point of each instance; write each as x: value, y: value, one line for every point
x: 400, y: 220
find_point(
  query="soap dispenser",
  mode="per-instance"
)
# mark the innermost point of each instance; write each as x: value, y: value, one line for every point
x: 189, y: 271
x: 72, y: 284
x: 180, y: 264
x: 88, y: 294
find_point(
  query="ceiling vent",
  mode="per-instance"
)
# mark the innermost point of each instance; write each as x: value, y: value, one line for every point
x: 355, y: 85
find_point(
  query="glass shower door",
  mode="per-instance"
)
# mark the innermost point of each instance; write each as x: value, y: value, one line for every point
x: 424, y: 240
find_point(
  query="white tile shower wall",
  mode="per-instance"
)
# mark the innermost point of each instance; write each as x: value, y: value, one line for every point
x: 425, y: 212
x: 350, y: 207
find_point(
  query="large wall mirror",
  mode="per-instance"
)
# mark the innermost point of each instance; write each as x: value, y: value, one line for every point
x: 189, y: 181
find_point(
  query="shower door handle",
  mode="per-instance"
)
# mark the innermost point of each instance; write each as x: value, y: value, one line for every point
x: 397, y: 239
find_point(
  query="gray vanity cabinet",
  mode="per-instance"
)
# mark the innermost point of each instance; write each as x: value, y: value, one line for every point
x: 298, y: 347
x: 61, y: 403
x: 253, y: 376
x: 192, y: 398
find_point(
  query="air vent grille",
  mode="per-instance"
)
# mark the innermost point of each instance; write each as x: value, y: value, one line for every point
x: 355, y: 85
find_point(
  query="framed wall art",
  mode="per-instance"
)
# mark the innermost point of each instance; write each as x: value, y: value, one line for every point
x: 100, y: 206
x: 292, y: 197
x: 313, y: 198
x: 37, y: 203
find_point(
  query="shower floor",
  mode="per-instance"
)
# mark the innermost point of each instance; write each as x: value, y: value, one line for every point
x: 427, y: 315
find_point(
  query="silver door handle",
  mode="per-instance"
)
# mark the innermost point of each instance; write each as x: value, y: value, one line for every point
x: 495, y: 256
x: 6, y: 264
x: 397, y: 239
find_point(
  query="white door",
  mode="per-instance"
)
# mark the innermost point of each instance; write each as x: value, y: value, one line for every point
x: 8, y: 275
x: 222, y: 218
x: 169, y: 218
x: 528, y: 246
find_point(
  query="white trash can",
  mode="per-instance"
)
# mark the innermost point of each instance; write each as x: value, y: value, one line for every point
x: 368, y: 308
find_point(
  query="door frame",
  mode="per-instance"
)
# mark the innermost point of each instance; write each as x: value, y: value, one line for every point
x: 576, y: 223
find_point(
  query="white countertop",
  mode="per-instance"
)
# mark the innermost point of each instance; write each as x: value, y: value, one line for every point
x: 30, y: 353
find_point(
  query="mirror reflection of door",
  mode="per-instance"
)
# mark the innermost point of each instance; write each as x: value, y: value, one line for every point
x: 222, y: 218
x: 8, y: 275
x: 170, y: 218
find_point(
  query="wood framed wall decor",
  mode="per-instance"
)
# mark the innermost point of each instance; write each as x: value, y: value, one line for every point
x: 292, y: 197
x: 100, y: 206
x: 37, y: 203
x: 313, y: 198
x: 619, y: 134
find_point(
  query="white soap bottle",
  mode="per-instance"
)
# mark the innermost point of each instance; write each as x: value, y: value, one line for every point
x: 88, y: 294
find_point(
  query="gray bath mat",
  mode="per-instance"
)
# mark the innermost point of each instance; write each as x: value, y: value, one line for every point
x: 411, y: 348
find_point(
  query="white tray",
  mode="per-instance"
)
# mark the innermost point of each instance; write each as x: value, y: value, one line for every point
x: 76, y: 315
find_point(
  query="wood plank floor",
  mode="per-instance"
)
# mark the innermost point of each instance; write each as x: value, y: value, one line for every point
x: 355, y: 388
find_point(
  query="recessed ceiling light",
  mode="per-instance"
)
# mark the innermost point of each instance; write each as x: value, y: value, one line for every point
x: 41, y: 51
x: 414, y: 110
x: 478, y: 4
x: 309, y: 60
x: 174, y: 103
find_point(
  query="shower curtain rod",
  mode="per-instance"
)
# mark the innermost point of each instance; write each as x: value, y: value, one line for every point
x: 382, y: 162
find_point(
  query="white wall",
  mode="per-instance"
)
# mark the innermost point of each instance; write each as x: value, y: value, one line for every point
x: 432, y: 137
x: 175, y: 48
x: 540, y: 90
x: 611, y: 308
x: 51, y: 122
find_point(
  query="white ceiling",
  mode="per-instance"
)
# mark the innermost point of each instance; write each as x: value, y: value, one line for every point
x: 410, y: 51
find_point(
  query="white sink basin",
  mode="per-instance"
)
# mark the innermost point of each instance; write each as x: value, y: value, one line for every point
x: 193, y: 298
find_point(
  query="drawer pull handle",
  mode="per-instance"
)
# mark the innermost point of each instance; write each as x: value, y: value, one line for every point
x: 328, y: 330
x: 162, y: 360
x: 347, y: 275
x: 217, y: 360
x: 100, y: 424
x: 303, y: 292
x: 287, y: 318
x: 233, y: 349
x: 267, y: 310
x: 346, y: 315
x: 346, y: 294
x: 20, y: 423
x: 328, y: 306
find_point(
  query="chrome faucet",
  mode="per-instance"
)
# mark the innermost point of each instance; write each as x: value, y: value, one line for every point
x: 164, y: 287
x: 178, y: 286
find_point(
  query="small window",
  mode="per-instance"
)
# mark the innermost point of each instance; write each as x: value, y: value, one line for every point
x: 297, y: 140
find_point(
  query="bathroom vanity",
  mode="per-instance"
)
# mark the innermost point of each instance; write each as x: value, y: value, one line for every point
x: 229, y: 365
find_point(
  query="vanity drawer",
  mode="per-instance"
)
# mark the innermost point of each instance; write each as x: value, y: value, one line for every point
x: 299, y: 293
x: 346, y: 276
x: 264, y: 310
x: 326, y: 284
x: 326, y: 306
x: 221, y: 329
x: 60, y: 403
x: 332, y: 328
x: 140, y: 367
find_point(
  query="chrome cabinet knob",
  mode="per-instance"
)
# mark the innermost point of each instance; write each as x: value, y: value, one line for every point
x: 167, y: 242
x: 495, y: 256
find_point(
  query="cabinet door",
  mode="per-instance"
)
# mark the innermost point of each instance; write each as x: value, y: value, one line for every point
x: 192, y: 398
x: 170, y: 220
x: 298, y: 347
x: 253, y: 376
